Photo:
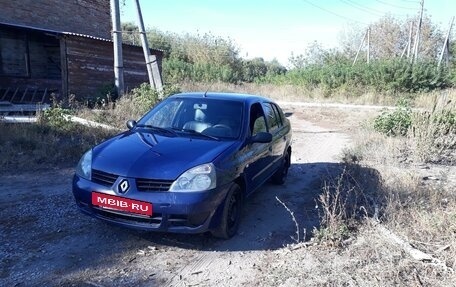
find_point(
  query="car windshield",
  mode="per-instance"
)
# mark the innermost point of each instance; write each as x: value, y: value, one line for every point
x: 209, y: 118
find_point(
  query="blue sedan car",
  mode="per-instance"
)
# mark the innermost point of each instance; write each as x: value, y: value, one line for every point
x: 187, y: 165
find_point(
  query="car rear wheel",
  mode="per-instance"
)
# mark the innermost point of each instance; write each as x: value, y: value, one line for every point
x: 231, y: 215
x: 280, y: 176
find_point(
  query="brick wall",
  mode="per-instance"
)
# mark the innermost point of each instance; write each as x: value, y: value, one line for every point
x: 90, y: 17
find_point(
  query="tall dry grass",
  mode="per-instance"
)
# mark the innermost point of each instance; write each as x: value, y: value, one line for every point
x: 346, y: 200
x: 419, y: 172
x: 44, y: 146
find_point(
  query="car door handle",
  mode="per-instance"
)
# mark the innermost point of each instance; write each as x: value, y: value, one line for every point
x: 270, y: 148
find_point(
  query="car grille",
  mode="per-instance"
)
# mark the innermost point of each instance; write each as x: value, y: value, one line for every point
x: 152, y: 184
x: 103, y: 178
x: 143, y: 184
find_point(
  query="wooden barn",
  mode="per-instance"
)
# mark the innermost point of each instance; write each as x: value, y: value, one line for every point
x: 37, y: 62
x: 61, y: 48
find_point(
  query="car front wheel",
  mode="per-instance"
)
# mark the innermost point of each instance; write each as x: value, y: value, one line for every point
x: 231, y: 215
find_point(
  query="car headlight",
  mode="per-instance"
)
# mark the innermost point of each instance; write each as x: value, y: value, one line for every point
x: 199, y: 178
x: 84, y: 167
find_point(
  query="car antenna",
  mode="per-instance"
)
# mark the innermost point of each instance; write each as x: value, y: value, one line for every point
x: 205, y: 93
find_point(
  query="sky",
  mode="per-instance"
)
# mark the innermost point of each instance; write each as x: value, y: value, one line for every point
x: 276, y: 28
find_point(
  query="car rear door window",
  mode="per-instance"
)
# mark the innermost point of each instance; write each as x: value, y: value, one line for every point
x: 271, y: 117
x: 279, y: 114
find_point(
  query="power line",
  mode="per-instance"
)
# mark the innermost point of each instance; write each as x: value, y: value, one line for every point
x: 363, y: 8
x: 333, y: 13
x: 397, y: 6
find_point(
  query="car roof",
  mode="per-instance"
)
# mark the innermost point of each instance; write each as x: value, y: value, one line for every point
x: 247, y: 98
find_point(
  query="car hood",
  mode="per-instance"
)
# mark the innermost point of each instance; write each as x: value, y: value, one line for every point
x: 146, y: 155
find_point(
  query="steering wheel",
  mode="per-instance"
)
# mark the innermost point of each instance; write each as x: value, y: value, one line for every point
x: 221, y: 126
x: 226, y: 129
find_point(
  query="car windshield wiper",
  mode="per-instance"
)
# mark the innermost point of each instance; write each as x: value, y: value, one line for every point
x: 158, y: 129
x: 193, y: 132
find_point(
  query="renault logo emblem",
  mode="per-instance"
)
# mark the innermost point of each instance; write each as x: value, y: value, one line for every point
x: 123, y: 186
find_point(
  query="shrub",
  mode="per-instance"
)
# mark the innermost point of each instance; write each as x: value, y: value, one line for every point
x: 56, y: 117
x: 431, y: 134
x: 132, y: 105
x: 385, y: 76
x: 145, y: 96
x: 395, y: 122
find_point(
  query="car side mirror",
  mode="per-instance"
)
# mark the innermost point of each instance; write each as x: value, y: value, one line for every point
x: 261, y: 137
x: 131, y: 124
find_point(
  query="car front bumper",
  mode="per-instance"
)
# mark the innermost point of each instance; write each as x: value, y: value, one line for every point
x: 179, y: 212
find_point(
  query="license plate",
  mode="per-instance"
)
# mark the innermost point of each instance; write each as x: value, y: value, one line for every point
x: 121, y: 203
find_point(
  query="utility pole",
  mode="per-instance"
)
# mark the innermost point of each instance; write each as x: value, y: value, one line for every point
x: 117, y: 43
x: 409, y: 43
x: 359, y: 48
x: 151, y: 60
x: 446, y: 45
x: 368, y: 45
x: 418, y: 31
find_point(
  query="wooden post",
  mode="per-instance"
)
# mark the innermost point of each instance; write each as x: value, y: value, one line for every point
x: 117, y: 44
x: 446, y: 44
x: 418, y: 31
x: 409, y: 43
x: 151, y: 61
x: 368, y: 45
x: 359, y: 49
x: 64, y: 67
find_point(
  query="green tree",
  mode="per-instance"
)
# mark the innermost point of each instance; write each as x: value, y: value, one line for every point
x: 130, y: 33
x: 253, y: 69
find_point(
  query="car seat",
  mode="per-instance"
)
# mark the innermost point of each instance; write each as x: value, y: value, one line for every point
x: 199, y: 124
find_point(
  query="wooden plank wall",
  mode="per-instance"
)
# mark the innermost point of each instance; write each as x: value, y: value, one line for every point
x: 30, y: 60
x: 88, y: 17
x: 90, y: 66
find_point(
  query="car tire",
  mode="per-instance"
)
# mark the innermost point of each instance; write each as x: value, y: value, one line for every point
x: 280, y: 176
x: 231, y: 214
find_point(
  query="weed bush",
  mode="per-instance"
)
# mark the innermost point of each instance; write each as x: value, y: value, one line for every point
x: 354, y: 194
x: 56, y: 117
x: 130, y: 106
x: 145, y: 97
x: 395, y: 122
x: 431, y: 134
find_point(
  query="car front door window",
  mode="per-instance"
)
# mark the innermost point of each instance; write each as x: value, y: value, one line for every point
x: 257, y: 121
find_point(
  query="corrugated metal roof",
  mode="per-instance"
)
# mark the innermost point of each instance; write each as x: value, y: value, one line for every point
x: 53, y: 31
x: 50, y: 31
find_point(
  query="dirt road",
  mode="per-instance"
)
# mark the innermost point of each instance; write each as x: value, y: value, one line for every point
x: 46, y: 241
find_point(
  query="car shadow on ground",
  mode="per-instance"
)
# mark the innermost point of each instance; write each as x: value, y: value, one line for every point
x: 277, y: 215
